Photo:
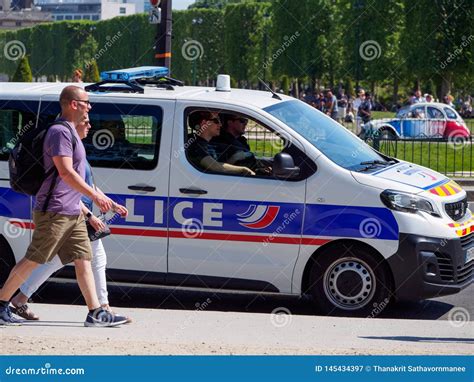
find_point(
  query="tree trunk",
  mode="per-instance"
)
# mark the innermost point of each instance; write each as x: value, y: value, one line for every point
x: 295, y: 89
x: 445, y: 85
x: 416, y: 85
x: 395, y: 90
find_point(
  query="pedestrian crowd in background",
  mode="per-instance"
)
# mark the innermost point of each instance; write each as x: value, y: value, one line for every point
x: 343, y: 108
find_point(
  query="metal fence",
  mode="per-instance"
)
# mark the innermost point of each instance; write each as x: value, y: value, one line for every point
x: 452, y: 157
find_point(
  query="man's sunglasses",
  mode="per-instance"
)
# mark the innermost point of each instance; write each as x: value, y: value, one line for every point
x: 215, y: 120
x: 241, y: 120
x: 82, y: 100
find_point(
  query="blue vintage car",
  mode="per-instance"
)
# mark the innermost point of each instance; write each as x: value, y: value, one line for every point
x: 420, y: 120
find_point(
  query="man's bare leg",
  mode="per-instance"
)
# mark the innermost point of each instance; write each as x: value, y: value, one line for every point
x: 85, y: 279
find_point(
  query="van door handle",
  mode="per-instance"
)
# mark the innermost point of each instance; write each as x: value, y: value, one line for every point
x: 145, y: 188
x: 195, y: 191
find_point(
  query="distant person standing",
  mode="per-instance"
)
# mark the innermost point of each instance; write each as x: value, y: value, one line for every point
x: 342, y: 103
x: 365, y: 114
x: 355, y: 106
x: 77, y: 75
x: 332, y: 108
x: 417, y: 97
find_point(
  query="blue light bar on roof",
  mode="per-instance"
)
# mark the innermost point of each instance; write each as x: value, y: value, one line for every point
x: 134, y: 73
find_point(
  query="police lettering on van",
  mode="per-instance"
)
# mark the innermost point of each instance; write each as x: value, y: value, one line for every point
x: 333, y: 219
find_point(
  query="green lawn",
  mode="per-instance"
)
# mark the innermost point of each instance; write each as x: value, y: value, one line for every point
x: 440, y: 156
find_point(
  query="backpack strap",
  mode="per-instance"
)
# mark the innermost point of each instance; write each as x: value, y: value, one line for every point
x: 54, y: 170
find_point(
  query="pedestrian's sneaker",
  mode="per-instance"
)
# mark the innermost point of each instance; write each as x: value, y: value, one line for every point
x: 6, y: 317
x: 101, y: 318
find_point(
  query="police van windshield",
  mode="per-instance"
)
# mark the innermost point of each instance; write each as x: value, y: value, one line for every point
x: 326, y: 135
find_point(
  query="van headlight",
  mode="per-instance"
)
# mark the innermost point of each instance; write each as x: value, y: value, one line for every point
x: 405, y: 202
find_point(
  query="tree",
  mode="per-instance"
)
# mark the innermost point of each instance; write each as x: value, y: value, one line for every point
x: 438, y: 43
x: 285, y: 84
x: 84, y: 55
x: 92, y: 72
x: 372, y: 41
x: 244, y: 39
x: 23, y: 71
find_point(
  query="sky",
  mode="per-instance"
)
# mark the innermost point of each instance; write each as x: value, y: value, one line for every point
x: 181, y: 4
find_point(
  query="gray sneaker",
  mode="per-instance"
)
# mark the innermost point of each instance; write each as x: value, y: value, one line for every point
x: 6, y: 317
x: 101, y: 318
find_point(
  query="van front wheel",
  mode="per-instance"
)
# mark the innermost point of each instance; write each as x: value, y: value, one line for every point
x: 349, y: 282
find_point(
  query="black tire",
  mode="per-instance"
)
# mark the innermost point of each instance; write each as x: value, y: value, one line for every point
x: 347, y: 281
x: 7, y: 260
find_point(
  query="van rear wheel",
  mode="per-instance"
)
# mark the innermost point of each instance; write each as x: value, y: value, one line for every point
x: 349, y: 282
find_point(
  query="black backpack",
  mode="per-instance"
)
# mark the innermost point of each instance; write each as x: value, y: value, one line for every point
x: 27, y: 172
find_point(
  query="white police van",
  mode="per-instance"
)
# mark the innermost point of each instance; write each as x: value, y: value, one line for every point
x: 334, y: 219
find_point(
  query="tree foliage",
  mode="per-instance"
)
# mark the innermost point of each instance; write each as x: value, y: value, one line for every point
x: 23, y: 71
x: 394, y: 43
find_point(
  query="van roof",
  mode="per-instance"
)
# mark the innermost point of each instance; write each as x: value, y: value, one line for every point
x: 244, y: 97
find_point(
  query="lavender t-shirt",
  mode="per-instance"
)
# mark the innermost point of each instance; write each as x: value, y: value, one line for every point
x: 59, y: 142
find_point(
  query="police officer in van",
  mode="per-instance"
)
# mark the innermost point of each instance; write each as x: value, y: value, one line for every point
x: 232, y: 146
x: 201, y: 152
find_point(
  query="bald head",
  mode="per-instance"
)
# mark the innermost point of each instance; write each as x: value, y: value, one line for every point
x: 74, y: 103
x: 70, y: 93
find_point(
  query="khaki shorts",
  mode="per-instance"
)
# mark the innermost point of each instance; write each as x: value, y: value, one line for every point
x: 59, y: 234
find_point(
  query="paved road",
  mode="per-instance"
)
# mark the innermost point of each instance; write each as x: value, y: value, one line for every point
x: 205, y: 331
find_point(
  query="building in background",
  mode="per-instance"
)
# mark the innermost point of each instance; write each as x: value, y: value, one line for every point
x: 90, y: 9
x: 21, y: 14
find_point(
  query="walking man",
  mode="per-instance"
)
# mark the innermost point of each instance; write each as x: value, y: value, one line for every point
x: 60, y: 229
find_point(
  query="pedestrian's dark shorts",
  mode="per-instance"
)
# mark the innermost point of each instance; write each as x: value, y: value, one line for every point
x: 62, y: 235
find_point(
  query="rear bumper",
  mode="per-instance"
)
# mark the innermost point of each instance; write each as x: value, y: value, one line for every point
x: 425, y: 267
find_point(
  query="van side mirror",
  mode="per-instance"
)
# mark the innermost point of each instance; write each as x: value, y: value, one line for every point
x: 284, y: 166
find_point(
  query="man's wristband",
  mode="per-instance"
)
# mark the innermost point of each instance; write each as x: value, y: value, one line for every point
x: 88, y: 215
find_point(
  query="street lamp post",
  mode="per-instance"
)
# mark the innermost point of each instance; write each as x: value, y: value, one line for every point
x: 358, y: 6
x: 266, y: 16
x: 197, y: 21
x: 161, y: 15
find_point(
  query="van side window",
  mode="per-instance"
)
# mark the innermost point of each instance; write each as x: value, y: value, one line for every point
x: 124, y: 136
x: 241, y: 146
x: 16, y: 118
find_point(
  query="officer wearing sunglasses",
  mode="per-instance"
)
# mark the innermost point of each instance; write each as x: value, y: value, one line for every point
x: 232, y: 146
x: 201, y: 152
